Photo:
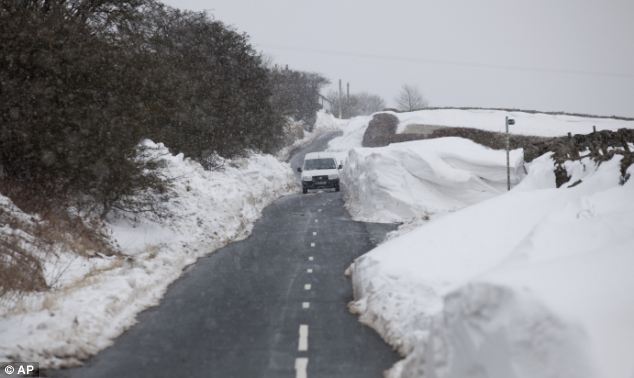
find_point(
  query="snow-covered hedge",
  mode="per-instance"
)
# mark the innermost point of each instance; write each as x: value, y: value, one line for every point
x: 94, y: 299
x: 536, y: 282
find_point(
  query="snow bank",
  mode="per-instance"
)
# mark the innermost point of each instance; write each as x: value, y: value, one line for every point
x: 94, y: 299
x: 410, y: 180
x: 328, y: 122
x: 324, y: 123
x: 353, y: 130
x: 536, y: 282
x: 537, y: 124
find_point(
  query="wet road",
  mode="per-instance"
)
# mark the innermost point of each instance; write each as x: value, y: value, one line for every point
x: 273, y: 305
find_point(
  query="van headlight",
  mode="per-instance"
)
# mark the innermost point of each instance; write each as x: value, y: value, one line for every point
x: 333, y: 177
x: 307, y: 178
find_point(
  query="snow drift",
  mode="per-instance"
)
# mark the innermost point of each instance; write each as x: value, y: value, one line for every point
x: 94, y: 299
x: 536, y: 282
x: 410, y: 180
x: 536, y: 124
x: 527, y: 123
x: 324, y: 123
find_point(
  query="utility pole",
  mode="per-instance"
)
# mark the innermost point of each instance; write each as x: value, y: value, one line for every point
x: 508, y: 121
x: 340, y: 100
x: 347, y: 92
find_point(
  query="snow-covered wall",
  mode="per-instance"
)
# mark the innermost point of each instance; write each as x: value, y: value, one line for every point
x: 538, y: 124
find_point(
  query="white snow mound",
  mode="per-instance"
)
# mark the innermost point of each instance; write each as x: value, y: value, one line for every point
x: 537, y: 124
x: 536, y: 282
x: 409, y: 180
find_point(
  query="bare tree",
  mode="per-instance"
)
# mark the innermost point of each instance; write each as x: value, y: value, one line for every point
x: 356, y: 104
x: 367, y: 103
x: 410, y: 98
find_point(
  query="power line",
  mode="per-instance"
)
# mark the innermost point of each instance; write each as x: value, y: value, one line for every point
x: 409, y: 59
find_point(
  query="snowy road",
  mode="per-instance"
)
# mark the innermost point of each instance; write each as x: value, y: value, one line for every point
x: 273, y: 305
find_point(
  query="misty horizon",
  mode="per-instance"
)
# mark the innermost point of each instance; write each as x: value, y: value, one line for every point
x: 567, y: 56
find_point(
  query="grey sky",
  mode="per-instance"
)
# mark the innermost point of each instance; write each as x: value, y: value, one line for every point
x: 573, y: 55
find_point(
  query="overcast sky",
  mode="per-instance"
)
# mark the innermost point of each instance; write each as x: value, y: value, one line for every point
x: 573, y: 55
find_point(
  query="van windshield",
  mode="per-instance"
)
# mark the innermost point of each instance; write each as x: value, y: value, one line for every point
x: 313, y: 164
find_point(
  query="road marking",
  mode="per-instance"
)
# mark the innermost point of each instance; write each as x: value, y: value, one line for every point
x: 303, y: 338
x: 305, y: 305
x: 316, y: 220
x: 310, y: 258
x: 309, y: 270
x: 314, y: 233
x: 319, y: 210
x: 307, y: 286
x: 301, y: 364
x: 312, y: 245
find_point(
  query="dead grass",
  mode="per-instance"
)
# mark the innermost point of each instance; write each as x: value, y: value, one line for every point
x: 27, y: 241
x: 19, y: 270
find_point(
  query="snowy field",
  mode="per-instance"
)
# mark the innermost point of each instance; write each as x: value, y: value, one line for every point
x: 95, y: 299
x: 481, y: 282
x: 533, y: 283
x: 537, y: 124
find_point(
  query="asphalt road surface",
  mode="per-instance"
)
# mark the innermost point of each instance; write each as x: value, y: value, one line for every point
x: 272, y: 305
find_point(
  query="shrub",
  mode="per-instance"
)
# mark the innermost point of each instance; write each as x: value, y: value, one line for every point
x: 70, y: 110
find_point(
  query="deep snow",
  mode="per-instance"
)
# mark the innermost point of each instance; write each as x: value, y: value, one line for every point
x: 538, y: 124
x: 535, y: 282
x: 532, y: 283
x: 405, y: 181
x: 324, y: 123
x: 95, y: 299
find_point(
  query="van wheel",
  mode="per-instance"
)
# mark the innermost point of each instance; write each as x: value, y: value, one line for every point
x: 304, y: 190
x: 337, y: 188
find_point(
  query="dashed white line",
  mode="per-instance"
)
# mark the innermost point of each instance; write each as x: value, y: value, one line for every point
x: 301, y: 365
x: 319, y: 210
x: 312, y: 245
x: 305, y: 305
x: 310, y: 258
x: 309, y: 270
x: 314, y: 233
x: 303, y: 338
x: 307, y: 286
x: 316, y: 220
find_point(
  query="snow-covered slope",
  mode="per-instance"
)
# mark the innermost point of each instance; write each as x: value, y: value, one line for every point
x: 324, y: 123
x: 536, y: 282
x: 95, y: 299
x: 538, y: 124
x: 353, y: 130
x: 410, y: 180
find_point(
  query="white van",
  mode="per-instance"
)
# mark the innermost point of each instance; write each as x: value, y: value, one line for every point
x: 320, y: 170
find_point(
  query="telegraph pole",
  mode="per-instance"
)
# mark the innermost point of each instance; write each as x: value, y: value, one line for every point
x: 348, y: 92
x: 340, y: 100
x: 508, y: 121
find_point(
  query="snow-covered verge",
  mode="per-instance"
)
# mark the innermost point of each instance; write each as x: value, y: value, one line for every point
x: 94, y: 299
x: 536, y: 124
x: 536, y: 282
x: 406, y: 181
x: 324, y: 123
x: 353, y: 130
